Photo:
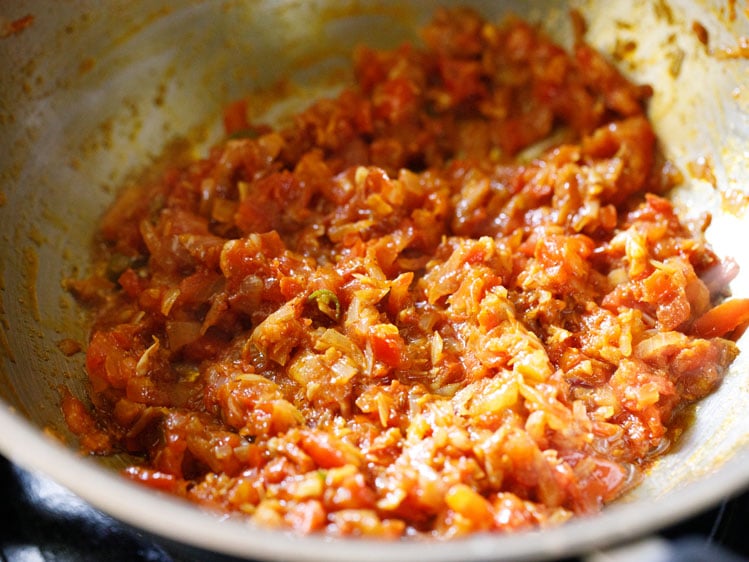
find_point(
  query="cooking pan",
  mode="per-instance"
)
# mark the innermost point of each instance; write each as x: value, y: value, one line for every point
x: 91, y: 92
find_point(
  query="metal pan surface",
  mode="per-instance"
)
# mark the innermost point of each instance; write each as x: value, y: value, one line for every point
x: 90, y: 91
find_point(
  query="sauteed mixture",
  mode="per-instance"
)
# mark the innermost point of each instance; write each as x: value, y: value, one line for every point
x: 452, y: 299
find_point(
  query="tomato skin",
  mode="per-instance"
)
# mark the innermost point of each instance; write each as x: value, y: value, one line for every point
x: 463, y: 79
x: 235, y: 117
x: 387, y: 345
x: 110, y: 359
x: 307, y: 517
x: 396, y: 100
x: 80, y: 421
x: 155, y: 479
x: 131, y: 283
x: 720, y: 321
x: 323, y: 449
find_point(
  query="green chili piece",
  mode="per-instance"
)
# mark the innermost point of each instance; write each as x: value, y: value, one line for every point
x: 327, y: 303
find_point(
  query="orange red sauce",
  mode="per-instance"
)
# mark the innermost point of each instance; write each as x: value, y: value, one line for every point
x: 388, y: 317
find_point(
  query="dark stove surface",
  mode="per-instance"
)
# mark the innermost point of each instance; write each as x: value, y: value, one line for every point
x: 43, y: 522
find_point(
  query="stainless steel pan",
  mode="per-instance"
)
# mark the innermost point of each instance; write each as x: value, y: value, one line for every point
x: 90, y: 91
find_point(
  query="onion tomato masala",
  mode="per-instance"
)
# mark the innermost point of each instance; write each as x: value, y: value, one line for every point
x: 452, y: 299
